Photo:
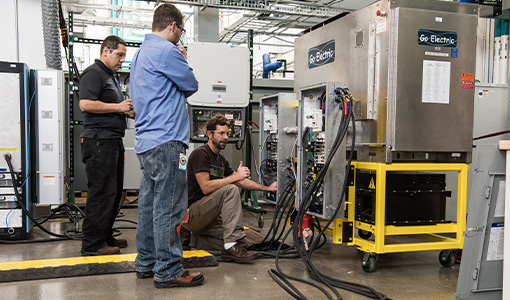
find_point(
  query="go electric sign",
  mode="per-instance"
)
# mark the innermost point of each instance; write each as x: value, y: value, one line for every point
x: 437, y: 38
x: 321, y: 55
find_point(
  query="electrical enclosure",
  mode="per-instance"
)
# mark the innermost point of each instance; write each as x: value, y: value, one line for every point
x: 200, y: 115
x: 16, y: 100
x: 223, y: 73
x: 319, y: 121
x: 221, y: 90
x: 278, y: 141
x: 51, y: 139
x: 410, y: 65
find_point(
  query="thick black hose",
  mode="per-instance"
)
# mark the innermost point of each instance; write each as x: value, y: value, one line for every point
x: 7, y: 157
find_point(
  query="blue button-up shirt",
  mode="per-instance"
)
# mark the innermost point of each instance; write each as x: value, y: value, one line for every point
x: 160, y: 82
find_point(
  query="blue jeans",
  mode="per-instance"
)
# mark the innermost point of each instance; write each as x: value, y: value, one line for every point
x: 162, y: 204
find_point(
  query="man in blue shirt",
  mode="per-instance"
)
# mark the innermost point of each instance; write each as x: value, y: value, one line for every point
x: 161, y: 79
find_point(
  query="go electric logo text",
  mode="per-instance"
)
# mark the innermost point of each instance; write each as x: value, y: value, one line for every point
x: 437, y: 38
x: 321, y: 54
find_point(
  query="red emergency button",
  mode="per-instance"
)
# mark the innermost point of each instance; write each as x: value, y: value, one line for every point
x: 378, y: 13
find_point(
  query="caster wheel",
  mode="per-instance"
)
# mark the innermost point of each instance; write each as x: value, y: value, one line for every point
x: 369, y: 265
x: 364, y: 234
x: 447, y: 258
x: 261, y: 221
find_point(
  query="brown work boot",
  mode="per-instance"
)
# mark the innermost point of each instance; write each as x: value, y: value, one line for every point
x: 185, y: 280
x: 106, y: 250
x: 120, y: 243
x: 238, y: 254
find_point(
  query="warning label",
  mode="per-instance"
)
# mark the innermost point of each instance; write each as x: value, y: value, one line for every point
x: 468, y: 81
x: 371, y: 185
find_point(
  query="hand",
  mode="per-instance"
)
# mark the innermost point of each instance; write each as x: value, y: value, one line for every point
x: 273, y: 187
x: 183, y: 51
x: 125, y: 106
x: 242, y: 172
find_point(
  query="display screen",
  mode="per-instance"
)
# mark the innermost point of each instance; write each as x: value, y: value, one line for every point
x: 219, y: 88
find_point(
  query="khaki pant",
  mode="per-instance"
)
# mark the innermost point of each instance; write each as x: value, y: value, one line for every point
x: 217, y: 216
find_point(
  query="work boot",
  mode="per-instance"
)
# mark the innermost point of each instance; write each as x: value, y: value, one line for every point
x: 106, y: 250
x: 185, y: 280
x: 238, y: 254
x: 120, y: 243
x: 185, y: 236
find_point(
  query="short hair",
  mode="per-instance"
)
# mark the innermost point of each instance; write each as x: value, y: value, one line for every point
x: 218, y: 119
x: 164, y: 16
x: 112, y: 42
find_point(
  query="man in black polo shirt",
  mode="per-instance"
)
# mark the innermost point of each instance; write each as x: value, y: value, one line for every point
x: 104, y: 114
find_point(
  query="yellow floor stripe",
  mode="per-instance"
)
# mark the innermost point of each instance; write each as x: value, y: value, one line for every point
x: 71, y: 261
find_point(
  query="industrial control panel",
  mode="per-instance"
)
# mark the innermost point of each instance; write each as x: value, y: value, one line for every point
x: 320, y: 113
x: 15, y: 151
x: 278, y: 141
x: 200, y: 115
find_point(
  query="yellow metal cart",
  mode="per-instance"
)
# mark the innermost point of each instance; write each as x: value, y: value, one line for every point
x: 446, y: 236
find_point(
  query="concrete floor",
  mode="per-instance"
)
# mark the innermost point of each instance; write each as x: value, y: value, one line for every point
x: 407, y: 276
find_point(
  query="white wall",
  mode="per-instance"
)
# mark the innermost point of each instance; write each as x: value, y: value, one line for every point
x: 8, y: 51
x: 28, y: 45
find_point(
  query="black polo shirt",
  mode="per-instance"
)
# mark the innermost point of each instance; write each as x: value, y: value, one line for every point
x: 97, y: 83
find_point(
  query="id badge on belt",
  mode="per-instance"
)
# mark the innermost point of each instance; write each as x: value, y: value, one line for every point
x: 182, y: 162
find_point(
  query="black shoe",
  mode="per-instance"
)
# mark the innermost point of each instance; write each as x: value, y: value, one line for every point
x: 185, y: 280
x: 144, y: 275
x: 120, y: 243
x: 106, y: 250
x: 238, y: 254
x: 185, y: 236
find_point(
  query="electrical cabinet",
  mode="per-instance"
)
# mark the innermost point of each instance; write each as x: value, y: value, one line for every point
x: 278, y: 141
x: 15, y: 141
x: 320, y: 113
x: 52, y: 133
x: 410, y: 65
x: 200, y: 115
x: 223, y: 73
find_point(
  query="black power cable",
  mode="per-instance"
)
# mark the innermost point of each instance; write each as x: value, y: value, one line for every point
x: 297, y: 228
x: 7, y: 157
x: 73, y: 234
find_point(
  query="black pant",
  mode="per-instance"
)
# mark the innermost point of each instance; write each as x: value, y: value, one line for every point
x: 104, y: 160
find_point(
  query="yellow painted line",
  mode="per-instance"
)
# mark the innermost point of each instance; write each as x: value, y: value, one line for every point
x: 71, y: 261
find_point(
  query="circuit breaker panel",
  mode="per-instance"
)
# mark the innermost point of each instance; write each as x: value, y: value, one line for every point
x: 320, y: 113
x: 278, y: 141
x: 200, y: 115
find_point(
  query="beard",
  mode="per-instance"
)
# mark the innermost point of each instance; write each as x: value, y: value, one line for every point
x: 219, y: 144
